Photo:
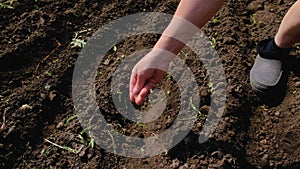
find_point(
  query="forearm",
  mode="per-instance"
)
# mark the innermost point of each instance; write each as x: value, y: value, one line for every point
x: 197, y: 12
x: 289, y: 30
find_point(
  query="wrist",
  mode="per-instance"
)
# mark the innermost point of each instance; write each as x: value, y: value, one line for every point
x: 169, y: 44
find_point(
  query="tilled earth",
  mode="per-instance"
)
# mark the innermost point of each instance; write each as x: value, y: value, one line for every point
x: 39, y: 128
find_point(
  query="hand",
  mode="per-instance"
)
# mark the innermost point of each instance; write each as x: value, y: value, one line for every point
x: 147, y: 72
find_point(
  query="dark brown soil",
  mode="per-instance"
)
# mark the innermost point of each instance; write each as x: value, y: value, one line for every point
x: 37, y: 62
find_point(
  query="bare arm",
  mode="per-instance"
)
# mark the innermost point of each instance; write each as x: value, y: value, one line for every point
x: 289, y: 30
x: 198, y: 13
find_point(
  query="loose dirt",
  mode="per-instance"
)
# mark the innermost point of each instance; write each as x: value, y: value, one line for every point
x: 36, y: 66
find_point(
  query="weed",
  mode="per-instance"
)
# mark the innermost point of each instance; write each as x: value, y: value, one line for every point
x: 47, y: 87
x: 77, y: 41
x: 7, y: 4
x: 48, y: 73
x: 55, y: 60
x: 141, y: 125
x: 185, y: 54
x: 113, y: 141
x: 166, y: 96
x: 215, y: 20
x: 211, y: 88
x: 84, y: 141
x: 115, y: 48
x: 27, y: 72
x: 194, y: 107
x: 64, y: 147
x: 252, y: 17
x: 27, y: 165
x: 119, y: 95
x: 92, y: 141
x: 71, y: 118
x: 294, y: 91
x: 47, y: 150
x: 213, y: 42
x: 99, y: 72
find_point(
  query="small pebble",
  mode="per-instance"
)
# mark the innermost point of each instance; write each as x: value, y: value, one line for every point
x: 60, y: 125
x: 297, y: 84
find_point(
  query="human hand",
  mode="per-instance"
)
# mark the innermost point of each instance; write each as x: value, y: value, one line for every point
x: 147, y: 72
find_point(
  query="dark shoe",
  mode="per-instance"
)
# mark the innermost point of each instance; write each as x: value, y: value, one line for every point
x: 269, y: 75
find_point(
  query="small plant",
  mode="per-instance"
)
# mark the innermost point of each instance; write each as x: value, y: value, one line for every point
x: 71, y: 118
x: 115, y: 48
x: 92, y: 141
x: 166, y: 96
x: 194, y: 107
x: 215, y: 20
x: 252, y: 17
x: 186, y: 55
x: 47, y: 150
x: 213, y: 42
x: 142, y: 125
x: 211, y: 88
x: 64, y: 147
x: 294, y: 91
x: 84, y: 141
x: 77, y: 41
x: 7, y: 4
x: 47, y: 87
x: 48, y: 73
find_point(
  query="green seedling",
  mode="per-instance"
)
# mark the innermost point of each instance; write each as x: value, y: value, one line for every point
x: 194, y: 107
x: 141, y: 125
x: 92, y: 141
x: 215, y: 20
x: 252, y: 17
x: 64, y: 147
x: 294, y: 91
x: 119, y: 95
x: 27, y: 165
x: 7, y: 4
x: 166, y: 152
x: 115, y: 48
x: 48, y: 73
x: 113, y: 141
x: 47, y: 150
x: 27, y: 72
x: 186, y: 55
x: 77, y: 41
x: 211, y: 88
x: 71, y: 118
x: 99, y: 72
x: 166, y: 96
x: 55, y: 60
x: 213, y: 42
x: 83, y: 140
x: 47, y: 87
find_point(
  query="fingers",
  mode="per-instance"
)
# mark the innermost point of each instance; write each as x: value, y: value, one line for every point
x: 143, y: 93
x: 137, y: 83
x: 131, y: 86
x: 139, y: 87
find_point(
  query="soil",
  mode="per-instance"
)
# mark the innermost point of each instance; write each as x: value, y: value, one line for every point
x: 37, y: 60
